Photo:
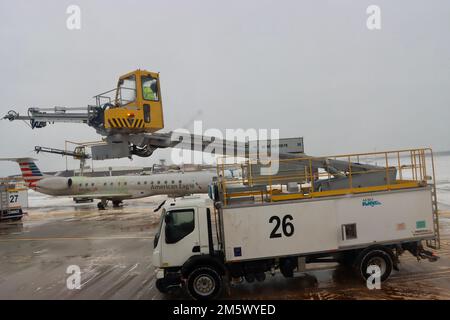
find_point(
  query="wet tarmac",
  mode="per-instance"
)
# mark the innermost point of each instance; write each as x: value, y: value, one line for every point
x: 113, y: 249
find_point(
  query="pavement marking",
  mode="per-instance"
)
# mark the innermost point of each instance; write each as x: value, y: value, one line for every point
x: 73, y: 238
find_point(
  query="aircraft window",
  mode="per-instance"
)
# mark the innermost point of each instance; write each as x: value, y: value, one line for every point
x: 179, y: 181
x: 105, y: 184
x: 165, y: 182
x: 139, y: 182
x: 118, y: 183
x: 86, y: 184
x: 149, y: 88
x: 159, y: 182
x: 125, y: 183
x: 81, y: 184
x: 92, y: 184
x: 111, y: 184
x: 145, y: 182
x: 173, y: 181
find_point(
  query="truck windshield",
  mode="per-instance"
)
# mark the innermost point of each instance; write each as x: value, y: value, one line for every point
x: 179, y: 223
x: 161, y: 219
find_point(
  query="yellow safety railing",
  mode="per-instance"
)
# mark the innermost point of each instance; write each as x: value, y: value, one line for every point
x: 400, y: 169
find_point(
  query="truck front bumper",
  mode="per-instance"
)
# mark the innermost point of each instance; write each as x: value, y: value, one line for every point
x: 159, y: 273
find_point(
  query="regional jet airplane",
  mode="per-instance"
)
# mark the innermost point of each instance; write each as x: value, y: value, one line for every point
x: 115, y: 188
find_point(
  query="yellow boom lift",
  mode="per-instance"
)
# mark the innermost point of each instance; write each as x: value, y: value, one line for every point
x: 130, y: 118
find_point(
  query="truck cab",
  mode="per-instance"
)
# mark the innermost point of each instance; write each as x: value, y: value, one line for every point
x: 185, y: 240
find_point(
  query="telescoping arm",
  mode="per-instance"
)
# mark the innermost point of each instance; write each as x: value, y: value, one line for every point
x: 40, y: 117
x: 77, y: 155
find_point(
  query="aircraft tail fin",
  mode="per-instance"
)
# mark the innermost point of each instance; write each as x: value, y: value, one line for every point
x: 30, y: 171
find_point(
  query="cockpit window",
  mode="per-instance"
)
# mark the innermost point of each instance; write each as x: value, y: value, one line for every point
x: 149, y: 88
x: 127, y: 90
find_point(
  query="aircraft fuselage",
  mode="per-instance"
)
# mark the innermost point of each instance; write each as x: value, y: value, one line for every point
x: 127, y: 187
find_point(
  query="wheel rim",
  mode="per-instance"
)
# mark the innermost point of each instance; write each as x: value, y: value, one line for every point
x: 379, y: 262
x: 204, y: 285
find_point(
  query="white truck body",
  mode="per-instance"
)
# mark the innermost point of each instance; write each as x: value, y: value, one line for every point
x: 381, y: 217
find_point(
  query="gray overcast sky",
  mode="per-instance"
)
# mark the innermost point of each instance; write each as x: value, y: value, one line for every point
x: 309, y: 68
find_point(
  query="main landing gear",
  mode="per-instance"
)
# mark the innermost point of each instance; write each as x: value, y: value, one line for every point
x: 117, y: 203
x: 104, y: 203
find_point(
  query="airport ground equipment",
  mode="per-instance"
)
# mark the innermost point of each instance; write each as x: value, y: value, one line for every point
x: 10, y: 208
x: 79, y: 153
x: 130, y: 118
x: 254, y: 226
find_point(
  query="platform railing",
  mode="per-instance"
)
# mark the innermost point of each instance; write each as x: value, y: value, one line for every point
x: 397, y: 169
x: 115, y: 97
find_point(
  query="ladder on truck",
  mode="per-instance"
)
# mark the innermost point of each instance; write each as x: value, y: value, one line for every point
x: 4, y: 200
x: 436, y: 242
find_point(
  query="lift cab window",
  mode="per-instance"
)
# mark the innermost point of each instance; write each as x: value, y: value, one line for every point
x: 179, y: 223
x: 149, y: 88
x: 127, y: 90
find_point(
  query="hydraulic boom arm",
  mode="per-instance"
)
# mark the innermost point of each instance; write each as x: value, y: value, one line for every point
x: 77, y: 154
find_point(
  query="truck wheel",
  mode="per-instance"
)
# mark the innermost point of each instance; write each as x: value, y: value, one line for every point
x: 161, y: 286
x: 204, y: 283
x: 379, y: 258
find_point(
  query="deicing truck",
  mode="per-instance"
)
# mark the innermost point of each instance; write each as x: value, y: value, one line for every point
x: 361, y: 210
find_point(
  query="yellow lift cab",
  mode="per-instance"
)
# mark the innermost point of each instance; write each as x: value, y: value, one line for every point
x: 137, y: 106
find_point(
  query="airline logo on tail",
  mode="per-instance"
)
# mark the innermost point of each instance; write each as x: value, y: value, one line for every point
x: 30, y: 172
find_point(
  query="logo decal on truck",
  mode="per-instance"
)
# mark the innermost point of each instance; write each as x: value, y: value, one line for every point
x: 370, y: 202
x: 421, y: 224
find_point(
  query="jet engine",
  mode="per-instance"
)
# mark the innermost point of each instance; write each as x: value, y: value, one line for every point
x: 54, y: 185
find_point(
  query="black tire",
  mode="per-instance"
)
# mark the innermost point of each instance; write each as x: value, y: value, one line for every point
x: 347, y: 260
x: 376, y: 257
x: 100, y: 206
x: 204, y: 283
x: 161, y: 286
x: 116, y: 204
